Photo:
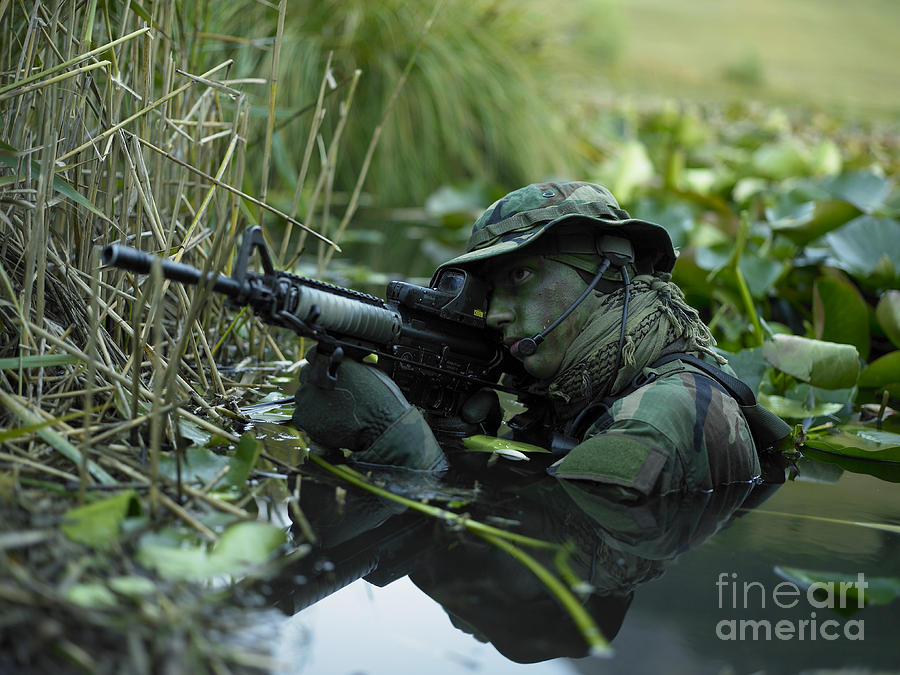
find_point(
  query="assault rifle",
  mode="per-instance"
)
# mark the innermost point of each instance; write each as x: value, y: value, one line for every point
x: 433, y: 342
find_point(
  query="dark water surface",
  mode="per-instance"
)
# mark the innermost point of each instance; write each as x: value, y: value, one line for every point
x: 388, y: 591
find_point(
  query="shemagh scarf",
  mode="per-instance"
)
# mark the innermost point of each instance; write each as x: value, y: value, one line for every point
x: 658, y: 316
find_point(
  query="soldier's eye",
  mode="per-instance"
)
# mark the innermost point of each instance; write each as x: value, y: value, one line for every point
x: 519, y: 275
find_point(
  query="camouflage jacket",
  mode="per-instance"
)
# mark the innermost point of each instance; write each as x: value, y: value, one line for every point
x: 682, y: 431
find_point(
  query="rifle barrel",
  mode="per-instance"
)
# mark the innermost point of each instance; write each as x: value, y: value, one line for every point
x: 125, y: 257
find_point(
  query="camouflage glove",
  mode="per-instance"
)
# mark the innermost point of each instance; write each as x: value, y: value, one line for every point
x: 365, y: 413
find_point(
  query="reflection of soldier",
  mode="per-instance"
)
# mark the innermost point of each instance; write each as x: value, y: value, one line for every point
x: 622, y: 376
x: 616, y: 546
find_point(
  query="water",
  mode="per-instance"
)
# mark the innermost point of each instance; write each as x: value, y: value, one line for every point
x: 389, y: 591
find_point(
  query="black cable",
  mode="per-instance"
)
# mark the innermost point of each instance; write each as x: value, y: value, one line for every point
x: 624, y: 318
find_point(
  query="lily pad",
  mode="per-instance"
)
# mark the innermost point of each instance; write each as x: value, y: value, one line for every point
x: 883, y: 373
x: 98, y: 524
x: 887, y: 471
x: 806, y: 221
x: 864, y: 189
x: 888, y: 313
x: 840, y: 314
x: 828, y: 365
x: 859, y: 441
x: 238, y: 550
x: 866, y: 246
x: 797, y: 410
x: 482, y: 443
x: 876, y: 591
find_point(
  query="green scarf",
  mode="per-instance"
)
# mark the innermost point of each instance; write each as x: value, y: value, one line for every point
x: 658, y: 316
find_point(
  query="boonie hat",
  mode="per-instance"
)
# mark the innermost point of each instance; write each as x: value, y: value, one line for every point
x: 522, y: 216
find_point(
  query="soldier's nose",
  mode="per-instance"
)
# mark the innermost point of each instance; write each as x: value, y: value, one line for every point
x: 499, y: 317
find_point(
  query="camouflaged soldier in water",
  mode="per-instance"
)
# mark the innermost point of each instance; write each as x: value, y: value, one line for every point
x: 621, y: 373
x: 616, y: 372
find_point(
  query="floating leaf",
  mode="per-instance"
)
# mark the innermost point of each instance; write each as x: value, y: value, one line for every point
x: 866, y: 245
x: 828, y: 365
x: 242, y: 461
x: 749, y: 366
x: 793, y: 409
x: 864, y: 189
x: 840, y: 314
x: 809, y: 220
x: 198, y: 465
x: 98, y: 524
x: 780, y: 160
x: 876, y: 591
x: 883, y: 373
x: 241, y: 547
x: 482, y: 443
x: 860, y: 442
x: 201, y: 464
x: 888, y: 471
x: 888, y: 313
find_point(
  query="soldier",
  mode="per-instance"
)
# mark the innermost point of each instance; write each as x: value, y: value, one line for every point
x: 621, y: 374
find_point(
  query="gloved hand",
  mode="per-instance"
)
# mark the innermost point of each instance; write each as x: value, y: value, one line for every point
x: 366, y: 413
x: 482, y: 409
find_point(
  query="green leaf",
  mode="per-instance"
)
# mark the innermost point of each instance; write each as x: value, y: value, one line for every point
x: 133, y: 586
x: 482, y: 443
x: 859, y: 441
x: 242, y: 461
x: 201, y: 465
x: 887, y: 471
x: 840, y: 314
x: 865, y: 190
x: 37, y: 361
x: 98, y: 524
x: 759, y: 273
x: 749, y: 366
x: 888, y: 313
x: 781, y: 160
x: 198, y: 464
x: 797, y: 410
x: 867, y: 245
x: 241, y: 547
x: 823, y: 364
x: 877, y: 591
x: 91, y: 596
x: 809, y: 220
x: 882, y: 373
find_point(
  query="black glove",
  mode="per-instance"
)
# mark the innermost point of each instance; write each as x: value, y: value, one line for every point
x: 357, y: 407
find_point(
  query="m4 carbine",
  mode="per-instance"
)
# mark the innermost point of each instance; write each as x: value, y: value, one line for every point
x: 433, y: 342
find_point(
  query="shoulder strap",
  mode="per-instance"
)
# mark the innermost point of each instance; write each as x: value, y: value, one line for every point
x: 737, y: 388
x: 767, y: 428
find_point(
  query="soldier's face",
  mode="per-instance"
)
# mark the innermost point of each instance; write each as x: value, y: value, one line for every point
x: 530, y: 292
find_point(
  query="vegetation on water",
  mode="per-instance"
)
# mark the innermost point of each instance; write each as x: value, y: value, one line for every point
x: 126, y: 475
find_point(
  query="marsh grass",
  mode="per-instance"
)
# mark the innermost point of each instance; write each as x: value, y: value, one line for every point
x: 112, y: 131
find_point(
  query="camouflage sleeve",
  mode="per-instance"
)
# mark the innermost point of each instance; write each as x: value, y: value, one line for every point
x: 681, y: 432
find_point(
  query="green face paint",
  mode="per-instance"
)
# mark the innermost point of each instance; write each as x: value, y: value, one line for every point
x: 530, y: 292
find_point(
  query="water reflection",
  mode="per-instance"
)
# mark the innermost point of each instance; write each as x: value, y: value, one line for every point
x: 615, y: 548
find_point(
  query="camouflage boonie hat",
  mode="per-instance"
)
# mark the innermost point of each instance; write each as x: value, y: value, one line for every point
x: 522, y: 216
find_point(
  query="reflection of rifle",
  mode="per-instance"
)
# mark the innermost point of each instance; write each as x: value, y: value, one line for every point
x: 433, y: 342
